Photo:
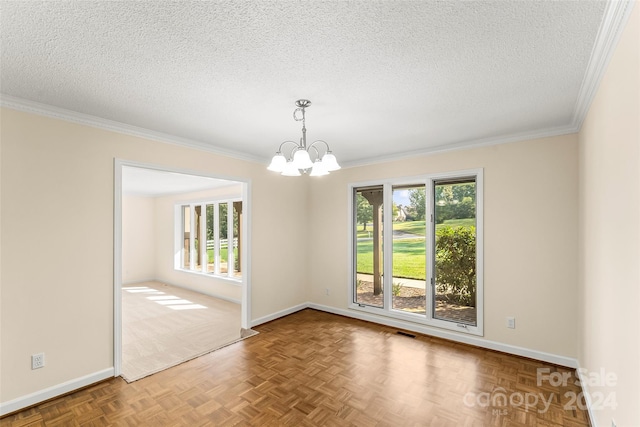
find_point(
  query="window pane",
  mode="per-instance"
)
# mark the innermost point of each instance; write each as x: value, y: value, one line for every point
x: 455, y: 251
x: 186, y: 229
x: 222, y: 219
x: 211, y: 256
x: 237, y: 215
x: 408, y: 288
x: 368, y: 246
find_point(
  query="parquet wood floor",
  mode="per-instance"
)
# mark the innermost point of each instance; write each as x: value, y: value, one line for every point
x: 317, y: 369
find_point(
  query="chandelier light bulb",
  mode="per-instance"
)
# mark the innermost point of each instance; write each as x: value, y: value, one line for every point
x: 301, y: 159
x: 330, y: 162
x: 278, y: 163
x: 318, y: 169
x: 290, y: 170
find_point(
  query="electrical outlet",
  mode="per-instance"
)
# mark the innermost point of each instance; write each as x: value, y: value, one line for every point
x: 511, y: 322
x: 326, y: 291
x: 37, y: 361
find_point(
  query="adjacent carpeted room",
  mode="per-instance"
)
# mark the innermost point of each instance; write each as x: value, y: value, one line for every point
x: 164, y: 325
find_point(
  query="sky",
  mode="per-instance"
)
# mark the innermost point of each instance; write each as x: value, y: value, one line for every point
x: 401, y: 197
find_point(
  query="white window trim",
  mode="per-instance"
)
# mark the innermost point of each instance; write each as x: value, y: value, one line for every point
x: 179, y: 236
x: 388, y: 311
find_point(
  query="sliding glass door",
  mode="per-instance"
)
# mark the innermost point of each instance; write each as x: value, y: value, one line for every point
x: 417, y: 252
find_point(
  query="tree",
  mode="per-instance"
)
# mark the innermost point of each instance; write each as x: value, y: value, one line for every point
x: 455, y: 201
x: 364, y: 211
x: 466, y: 208
x: 417, y: 200
x: 222, y: 221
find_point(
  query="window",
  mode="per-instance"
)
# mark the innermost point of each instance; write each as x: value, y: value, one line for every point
x: 426, y: 234
x: 208, y: 245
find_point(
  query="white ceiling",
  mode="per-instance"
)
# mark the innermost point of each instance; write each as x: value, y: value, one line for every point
x: 386, y: 78
x: 150, y: 182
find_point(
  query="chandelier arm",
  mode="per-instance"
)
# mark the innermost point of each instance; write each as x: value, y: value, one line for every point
x: 326, y: 145
x: 290, y: 142
x: 316, y: 150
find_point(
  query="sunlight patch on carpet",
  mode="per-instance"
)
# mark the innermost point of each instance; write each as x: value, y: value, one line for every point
x: 164, y: 326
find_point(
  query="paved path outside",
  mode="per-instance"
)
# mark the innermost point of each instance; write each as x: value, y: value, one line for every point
x: 412, y: 283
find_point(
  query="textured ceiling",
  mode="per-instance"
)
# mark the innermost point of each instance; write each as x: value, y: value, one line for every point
x: 386, y: 78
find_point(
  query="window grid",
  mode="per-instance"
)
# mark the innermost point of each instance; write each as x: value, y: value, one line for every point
x: 194, y: 221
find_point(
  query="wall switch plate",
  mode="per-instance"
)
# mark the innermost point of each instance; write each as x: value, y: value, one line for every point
x: 511, y: 322
x: 326, y: 291
x: 37, y: 361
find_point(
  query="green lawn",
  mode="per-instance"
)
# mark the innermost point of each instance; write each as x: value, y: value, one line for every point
x: 409, y: 254
x: 408, y: 258
x: 361, y: 233
x: 223, y: 254
x: 413, y: 227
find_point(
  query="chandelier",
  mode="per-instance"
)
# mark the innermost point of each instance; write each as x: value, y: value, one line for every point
x: 299, y: 158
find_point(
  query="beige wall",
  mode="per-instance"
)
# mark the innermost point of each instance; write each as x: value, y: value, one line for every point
x: 138, y: 239
x: 57, y: 187
x: 530, y: 211
x: 609, y: 319
x: 530, y: 188
x: 165, y: 248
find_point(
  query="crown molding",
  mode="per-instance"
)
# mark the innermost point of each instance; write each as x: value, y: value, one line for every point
x: 20, y: 104
x: 466, y: 145
x: 615, y: 17
x: 617, y: 13
x: 27, y: 106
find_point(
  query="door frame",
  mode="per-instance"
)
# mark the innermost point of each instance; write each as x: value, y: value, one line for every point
x: 245, y: 303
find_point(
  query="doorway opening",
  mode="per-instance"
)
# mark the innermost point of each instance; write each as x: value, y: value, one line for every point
x: 152, y: 282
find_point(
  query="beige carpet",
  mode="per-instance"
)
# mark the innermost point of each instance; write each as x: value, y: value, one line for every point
x: 163, y: 326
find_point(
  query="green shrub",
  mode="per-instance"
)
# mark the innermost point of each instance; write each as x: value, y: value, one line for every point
x: 456, y: 264
x: 396, y: 289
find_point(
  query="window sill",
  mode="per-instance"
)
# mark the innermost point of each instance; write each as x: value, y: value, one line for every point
x: 419, y: 319
x: 237, y: 281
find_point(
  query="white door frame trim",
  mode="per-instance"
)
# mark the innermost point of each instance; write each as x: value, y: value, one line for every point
x: 117, y: 247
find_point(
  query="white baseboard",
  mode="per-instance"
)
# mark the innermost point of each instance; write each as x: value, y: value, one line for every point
x: 584, y: 385
x: 440, y: 333
x: 137, y: 282
x: 204, y: 292
x: 40, y: 396
x: 279, y: 314
x: 54, y: 391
